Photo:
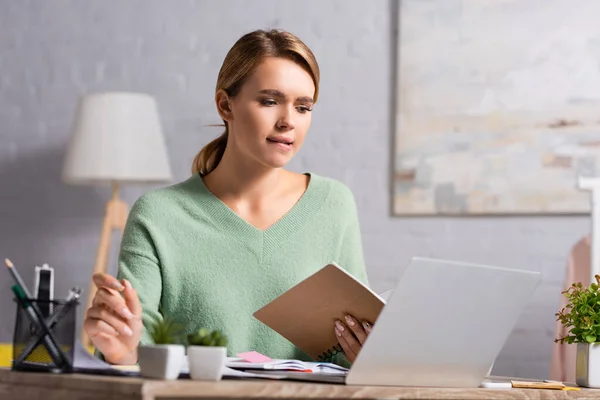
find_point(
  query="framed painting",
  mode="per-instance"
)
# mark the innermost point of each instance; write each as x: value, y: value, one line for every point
x: 498, y: 106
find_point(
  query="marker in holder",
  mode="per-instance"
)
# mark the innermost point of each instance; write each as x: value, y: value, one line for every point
x: 43, y: 288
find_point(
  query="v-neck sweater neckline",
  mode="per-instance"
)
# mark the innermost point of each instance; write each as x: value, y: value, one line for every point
x: 263, y: 242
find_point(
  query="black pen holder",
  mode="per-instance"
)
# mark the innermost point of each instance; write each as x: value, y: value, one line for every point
x: 44, y: 336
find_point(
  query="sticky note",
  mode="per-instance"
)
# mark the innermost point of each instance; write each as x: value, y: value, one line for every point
x: 253, y: 357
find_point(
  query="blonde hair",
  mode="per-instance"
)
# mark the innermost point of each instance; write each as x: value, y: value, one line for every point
x: 240, y: 62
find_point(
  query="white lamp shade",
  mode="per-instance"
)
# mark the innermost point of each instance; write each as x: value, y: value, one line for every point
x: 117, y: 137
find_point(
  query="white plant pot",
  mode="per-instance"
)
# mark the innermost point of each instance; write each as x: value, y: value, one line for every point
x: 587, y: 370
x: 161, y: 361
x: 206, y: 363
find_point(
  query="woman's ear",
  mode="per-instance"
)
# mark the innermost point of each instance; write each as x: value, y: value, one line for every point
x: 224, y: 105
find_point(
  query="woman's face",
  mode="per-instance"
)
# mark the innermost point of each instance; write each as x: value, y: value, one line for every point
x: 271, y: 114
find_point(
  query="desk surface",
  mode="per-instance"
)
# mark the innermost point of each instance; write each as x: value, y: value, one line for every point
x: 46, y: 386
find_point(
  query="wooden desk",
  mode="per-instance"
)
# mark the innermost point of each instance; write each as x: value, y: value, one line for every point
x: 27, y: 385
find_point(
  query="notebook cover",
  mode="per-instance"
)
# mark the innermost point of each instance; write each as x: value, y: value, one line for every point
x: 305, y: 314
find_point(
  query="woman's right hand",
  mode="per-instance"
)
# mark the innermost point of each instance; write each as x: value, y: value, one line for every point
x: 114, y: 322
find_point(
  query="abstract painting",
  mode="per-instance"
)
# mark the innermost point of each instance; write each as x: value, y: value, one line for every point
x: 498, y: 106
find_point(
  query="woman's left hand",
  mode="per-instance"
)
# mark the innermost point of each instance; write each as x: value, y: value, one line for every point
x: 351, y: 334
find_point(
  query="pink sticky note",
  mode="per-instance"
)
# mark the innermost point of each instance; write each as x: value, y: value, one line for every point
x: 253, y: 357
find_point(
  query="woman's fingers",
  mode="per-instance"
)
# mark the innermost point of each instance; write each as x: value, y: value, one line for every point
x: 352, y: 335
x: 347, y: 340
x: 108, y: 281
x: 132, y: 300
x: 110, y: 318
x: 114, y: 322
x: 350, y: 354
x: 95, y: 327
x: 356, y: 328
x: 113, y: 301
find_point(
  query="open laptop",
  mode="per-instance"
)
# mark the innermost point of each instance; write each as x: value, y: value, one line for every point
x: 442, y: 326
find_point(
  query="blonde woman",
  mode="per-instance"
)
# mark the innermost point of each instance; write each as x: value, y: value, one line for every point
x: 241, y: 230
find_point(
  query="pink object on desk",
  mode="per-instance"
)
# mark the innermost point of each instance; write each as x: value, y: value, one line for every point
x: 253, y: 357
x: 578, y: 270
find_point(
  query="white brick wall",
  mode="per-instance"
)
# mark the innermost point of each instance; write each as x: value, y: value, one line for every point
x: 52, y: 51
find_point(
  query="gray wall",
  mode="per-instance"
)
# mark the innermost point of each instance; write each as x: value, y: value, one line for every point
x: 53, y: 51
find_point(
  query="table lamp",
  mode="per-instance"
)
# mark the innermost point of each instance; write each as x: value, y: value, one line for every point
x: 117, y: 139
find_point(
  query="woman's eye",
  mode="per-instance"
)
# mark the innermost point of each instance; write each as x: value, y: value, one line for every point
x: 303, y: 109
x: 268, y: 102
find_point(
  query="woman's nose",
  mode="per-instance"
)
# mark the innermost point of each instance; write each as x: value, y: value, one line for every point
x: 286, y: 120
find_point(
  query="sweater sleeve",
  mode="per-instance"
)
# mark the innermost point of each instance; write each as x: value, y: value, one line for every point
x: 139, y: 263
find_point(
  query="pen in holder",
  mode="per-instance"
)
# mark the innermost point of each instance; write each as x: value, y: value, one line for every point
x: 44, y: 344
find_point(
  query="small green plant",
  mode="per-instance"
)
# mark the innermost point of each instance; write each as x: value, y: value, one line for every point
x: 167, y: 331
x: 581, y: 314
x: 204, y: 337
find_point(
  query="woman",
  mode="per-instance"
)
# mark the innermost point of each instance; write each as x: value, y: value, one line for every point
x: 211, y: 250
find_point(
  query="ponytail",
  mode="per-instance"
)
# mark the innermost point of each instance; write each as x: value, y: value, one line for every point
x: 210, y: 156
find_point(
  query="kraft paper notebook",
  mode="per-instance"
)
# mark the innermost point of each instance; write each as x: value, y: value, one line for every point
x: 305, y: 314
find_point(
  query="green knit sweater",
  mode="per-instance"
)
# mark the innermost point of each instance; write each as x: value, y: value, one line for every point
x: 193, y: 258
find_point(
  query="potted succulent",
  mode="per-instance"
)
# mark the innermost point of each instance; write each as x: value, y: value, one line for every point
x: 581, y: 317
x: 206, y: 354
x: 165, y: 357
